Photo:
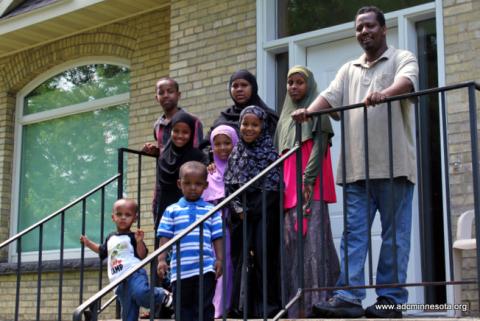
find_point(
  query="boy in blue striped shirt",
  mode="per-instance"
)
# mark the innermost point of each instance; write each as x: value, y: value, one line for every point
x: 177, y: 217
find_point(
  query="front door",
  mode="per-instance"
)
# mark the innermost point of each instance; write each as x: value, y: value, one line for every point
x: 325, y: 60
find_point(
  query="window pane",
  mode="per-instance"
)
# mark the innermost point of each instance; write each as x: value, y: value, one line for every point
x: 77, y: 85
x: 62, y: 159
x: 299, y: 16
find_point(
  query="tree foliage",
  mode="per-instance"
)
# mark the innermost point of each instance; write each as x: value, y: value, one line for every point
x: 308, y: 15
x: 77, y: 85
x: 65, y: 157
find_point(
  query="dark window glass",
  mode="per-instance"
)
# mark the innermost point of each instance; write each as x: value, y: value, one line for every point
x: 299, y: 16
x: 431, y: 206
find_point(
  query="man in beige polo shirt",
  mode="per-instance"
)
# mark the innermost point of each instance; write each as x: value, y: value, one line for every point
x: 381, y: 72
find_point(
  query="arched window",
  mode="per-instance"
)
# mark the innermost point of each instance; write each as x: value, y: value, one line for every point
x: 69, y: 127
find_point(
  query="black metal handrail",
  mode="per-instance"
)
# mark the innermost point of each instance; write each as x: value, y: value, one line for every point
x: 94, y: 300
x: 415, y: 94
x: 40, y: 224
x: 62, y: 214
x: 472, y: 86
x: 58, y: 212
x: 92, y: 304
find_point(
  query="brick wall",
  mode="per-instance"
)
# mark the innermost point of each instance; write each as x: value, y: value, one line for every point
x: 149, y: 62
x: 144, y: 42
x: 462, y: 62
x: 210, y: 40
x: 49, y: 295
x: 7, y: 104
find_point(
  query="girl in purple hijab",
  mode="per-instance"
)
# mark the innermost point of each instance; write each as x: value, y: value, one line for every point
x: 222, y: 139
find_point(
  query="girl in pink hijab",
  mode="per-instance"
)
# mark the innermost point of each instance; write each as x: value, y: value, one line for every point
x: 222, y: 139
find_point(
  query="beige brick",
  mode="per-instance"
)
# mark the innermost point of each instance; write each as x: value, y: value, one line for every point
x: 214, y: 49
x: 461, y: 43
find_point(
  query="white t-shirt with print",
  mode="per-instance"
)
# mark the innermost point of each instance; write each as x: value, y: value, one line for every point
x: 120, y: 248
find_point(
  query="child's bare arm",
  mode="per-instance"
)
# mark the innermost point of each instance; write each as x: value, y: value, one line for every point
x: 162, y: 266
x: 91, y: 245
x: 141, y: 247
x: 218, y: 246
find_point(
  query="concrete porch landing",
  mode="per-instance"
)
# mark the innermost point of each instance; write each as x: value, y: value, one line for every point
x: 415, y: 318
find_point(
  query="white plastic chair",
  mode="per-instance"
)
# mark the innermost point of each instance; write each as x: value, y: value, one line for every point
x: 463, y: 242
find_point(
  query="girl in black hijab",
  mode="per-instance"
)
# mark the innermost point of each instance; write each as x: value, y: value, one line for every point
x: 178, y: 150
x: 243, y: 89
x: 253, y: 153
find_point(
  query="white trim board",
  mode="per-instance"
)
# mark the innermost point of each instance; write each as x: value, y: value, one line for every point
x: 7, y: 5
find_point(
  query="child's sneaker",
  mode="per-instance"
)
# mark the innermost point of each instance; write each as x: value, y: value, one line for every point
x: 164, y: 310
x: 167, y: 299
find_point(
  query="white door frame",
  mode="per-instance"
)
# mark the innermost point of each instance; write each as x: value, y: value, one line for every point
x: 404, y: 19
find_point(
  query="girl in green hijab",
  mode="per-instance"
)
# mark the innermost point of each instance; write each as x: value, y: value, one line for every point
x: 322, y: 270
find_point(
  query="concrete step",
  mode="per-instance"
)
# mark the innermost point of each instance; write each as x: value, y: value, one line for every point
x: 409, y: 318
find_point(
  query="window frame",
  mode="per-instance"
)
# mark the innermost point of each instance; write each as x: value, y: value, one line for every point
x: 268, y: 45
x: 21, y: 120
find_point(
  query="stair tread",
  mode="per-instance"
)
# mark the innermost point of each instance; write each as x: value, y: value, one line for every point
x: 427, y: 318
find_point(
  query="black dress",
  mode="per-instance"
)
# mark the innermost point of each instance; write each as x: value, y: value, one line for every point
x: 230, y: 116
x: 169, y: 163
x: 250, y: 287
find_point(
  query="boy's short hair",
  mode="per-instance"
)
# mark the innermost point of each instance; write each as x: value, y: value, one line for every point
x: 377, y: 11
x: 196, y: 166
x: 175, y: 83
x: 126, y: 200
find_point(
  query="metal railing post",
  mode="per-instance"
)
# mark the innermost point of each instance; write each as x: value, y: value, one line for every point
x: 201, y: 279
x: 120, y: 172
x: 19, y: 276
x: 82, y: 250
x: 244, y: 257
x: 392, y: 196
x: 344, y: 183
x: 60, y: 279
x: 178, y: 282
x: 265, y: 251
x: 139, y: 188
x: 299, y: 210
x: 367, y: 194
x: 282, y: 239
x: 102, y: 234
x: 39, y: 271
x: 446, y: 182
x: 226, y: 272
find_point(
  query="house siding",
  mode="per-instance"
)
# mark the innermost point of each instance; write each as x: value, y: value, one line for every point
x: 209, y: 41
x: 7, y: 103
